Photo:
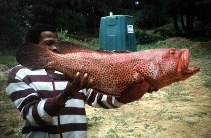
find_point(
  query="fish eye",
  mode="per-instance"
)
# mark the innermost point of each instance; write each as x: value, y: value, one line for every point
x: 172, y: 52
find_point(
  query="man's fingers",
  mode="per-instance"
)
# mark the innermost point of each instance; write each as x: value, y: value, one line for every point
x: 84, y: 81
x: 77, y: 78
x: 90, y: 83
x: 77, y: 74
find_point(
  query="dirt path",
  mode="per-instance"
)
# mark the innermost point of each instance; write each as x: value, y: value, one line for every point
x: 182, y: 110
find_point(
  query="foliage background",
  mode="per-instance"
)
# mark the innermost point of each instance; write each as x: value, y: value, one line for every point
x: 188, y: 18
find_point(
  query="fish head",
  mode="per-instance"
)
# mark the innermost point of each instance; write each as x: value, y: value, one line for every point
x: 169, y: 65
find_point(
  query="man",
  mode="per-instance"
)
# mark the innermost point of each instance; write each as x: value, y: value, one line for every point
x: 52, y: 107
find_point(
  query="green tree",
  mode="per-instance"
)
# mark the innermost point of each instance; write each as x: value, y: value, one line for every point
x: 190, y: 15
x: 11, y: 34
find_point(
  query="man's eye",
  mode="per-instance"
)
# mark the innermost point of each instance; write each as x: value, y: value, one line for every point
x: 49, y: 43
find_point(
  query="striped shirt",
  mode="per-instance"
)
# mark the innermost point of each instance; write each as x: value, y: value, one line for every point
x: 33, y: 92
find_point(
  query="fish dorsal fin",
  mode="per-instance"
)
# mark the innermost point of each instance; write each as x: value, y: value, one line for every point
x: 67, y: 47
x: 121, y: 51
x: 114, y: 51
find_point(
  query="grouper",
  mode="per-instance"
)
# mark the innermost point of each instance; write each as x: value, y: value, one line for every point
x: 114, y: 73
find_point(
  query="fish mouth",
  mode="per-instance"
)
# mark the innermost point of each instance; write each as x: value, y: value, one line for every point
x: 184, y: 65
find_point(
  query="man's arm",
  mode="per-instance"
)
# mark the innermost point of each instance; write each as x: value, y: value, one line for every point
x: 99, y: 100
x: 33, y: 108
x: 27, y: 100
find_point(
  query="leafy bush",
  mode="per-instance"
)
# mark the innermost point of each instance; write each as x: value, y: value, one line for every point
x: 144, y: 37
x: 84, y: 40
x: 8, y: 58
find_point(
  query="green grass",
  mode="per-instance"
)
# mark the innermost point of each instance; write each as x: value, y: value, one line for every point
x: 8, y: 58
x: 94, y: 120
x: 201, y: 114
x: 112, y: 133
x: 174, y: 117
x: 176, y: 93
x: 207, y: 83
x: 85, y: 40
x: 146, y: 126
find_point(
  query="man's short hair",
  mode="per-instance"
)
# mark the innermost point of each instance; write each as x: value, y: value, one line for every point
x: 33, y: 34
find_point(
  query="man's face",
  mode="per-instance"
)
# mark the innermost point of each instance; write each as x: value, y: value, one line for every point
x: 48, y: 39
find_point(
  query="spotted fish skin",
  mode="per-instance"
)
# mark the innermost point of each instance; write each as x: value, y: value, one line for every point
x: 114, y: 73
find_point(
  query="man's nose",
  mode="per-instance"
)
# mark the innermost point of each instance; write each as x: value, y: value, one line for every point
x: 53, y: 47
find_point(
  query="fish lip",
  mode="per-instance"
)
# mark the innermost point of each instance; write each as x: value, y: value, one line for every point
x: 192, y: 70
x: 185, y: 59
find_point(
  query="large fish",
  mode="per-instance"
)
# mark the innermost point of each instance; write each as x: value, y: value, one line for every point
x: 114, y: 73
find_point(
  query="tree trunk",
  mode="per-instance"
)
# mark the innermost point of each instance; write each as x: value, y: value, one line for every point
x: 176, y: 27
x: 189, y: 25
x: 182, y: 23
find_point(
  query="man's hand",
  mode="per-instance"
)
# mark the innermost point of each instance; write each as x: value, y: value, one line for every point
x: 79, y: 82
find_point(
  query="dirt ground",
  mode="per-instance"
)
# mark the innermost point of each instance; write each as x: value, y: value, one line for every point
x: 181, y: 110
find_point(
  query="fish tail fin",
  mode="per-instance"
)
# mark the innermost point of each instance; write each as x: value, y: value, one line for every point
x: 34, y: 56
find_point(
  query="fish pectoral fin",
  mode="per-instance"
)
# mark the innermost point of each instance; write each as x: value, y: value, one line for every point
x: 137, y: 77
x: 151, y: 90
x: 133, y: 93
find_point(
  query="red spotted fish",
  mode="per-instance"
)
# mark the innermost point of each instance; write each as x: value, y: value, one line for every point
x: 114, y: 73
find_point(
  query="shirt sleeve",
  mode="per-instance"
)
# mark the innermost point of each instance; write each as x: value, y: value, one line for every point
x: 26, y: 99
x: 99, y: 100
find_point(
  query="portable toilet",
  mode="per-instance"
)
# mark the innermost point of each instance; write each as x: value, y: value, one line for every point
x: 117, y: 33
